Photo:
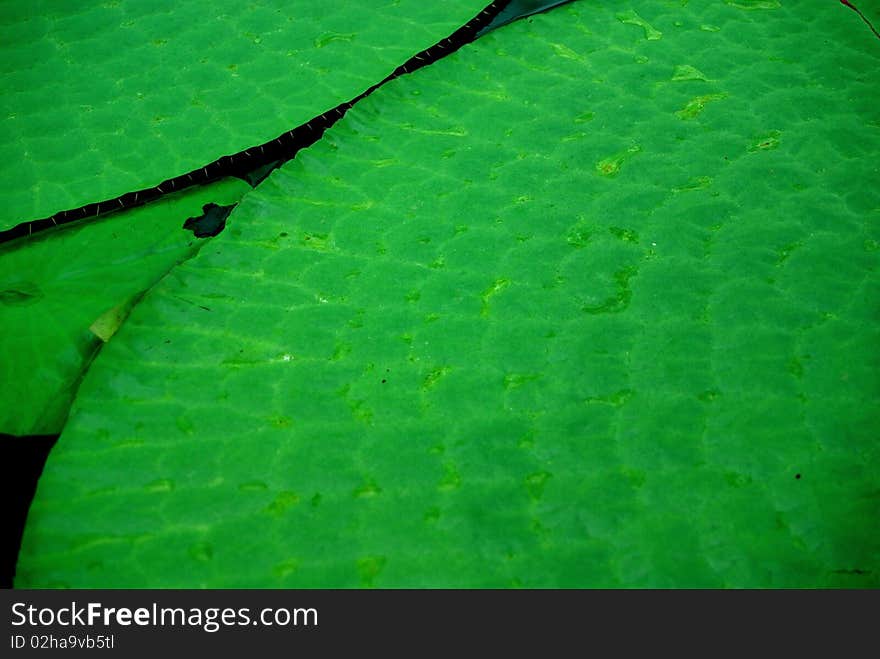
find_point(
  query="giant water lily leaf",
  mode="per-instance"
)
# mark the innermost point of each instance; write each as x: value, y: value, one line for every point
x: 55, y: 352
x: 102, y: 98
x: 588, y: 303
x: 62, y: 293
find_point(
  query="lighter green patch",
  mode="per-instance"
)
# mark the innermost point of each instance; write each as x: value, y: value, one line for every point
x: 615, y: 399
x: 688, y: 72
x: 451, y: 479
x: 106, y: 325
x: 754, y: 4
x: 579, y: 235
x: 286, y: 568
x: 253, y: 486
x: 497, y: 286
x: 566, y: 52
x: 284, y: 501
x: 160, y: 485
x: 368, y: 490
x: 696, y: 183
x: 515, y: 380
x: 330, y: 37
x: 434, y: 376
x: 611, y: 166
x: 625, y: 235
x: 630, y: 17
x: 767, y: 143
x: 696, y: 105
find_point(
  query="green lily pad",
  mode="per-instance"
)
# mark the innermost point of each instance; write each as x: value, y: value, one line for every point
x: 102, y: 98
x: 437, y: 349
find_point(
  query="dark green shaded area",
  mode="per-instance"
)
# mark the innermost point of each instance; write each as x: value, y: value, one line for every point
x: 55, y: 286
x: 211, y: 222
x: 517, y: 9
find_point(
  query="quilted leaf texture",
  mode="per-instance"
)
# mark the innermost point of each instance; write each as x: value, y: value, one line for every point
x: 590, y: 303
x: 51, y: 289
x: 101, y: 98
